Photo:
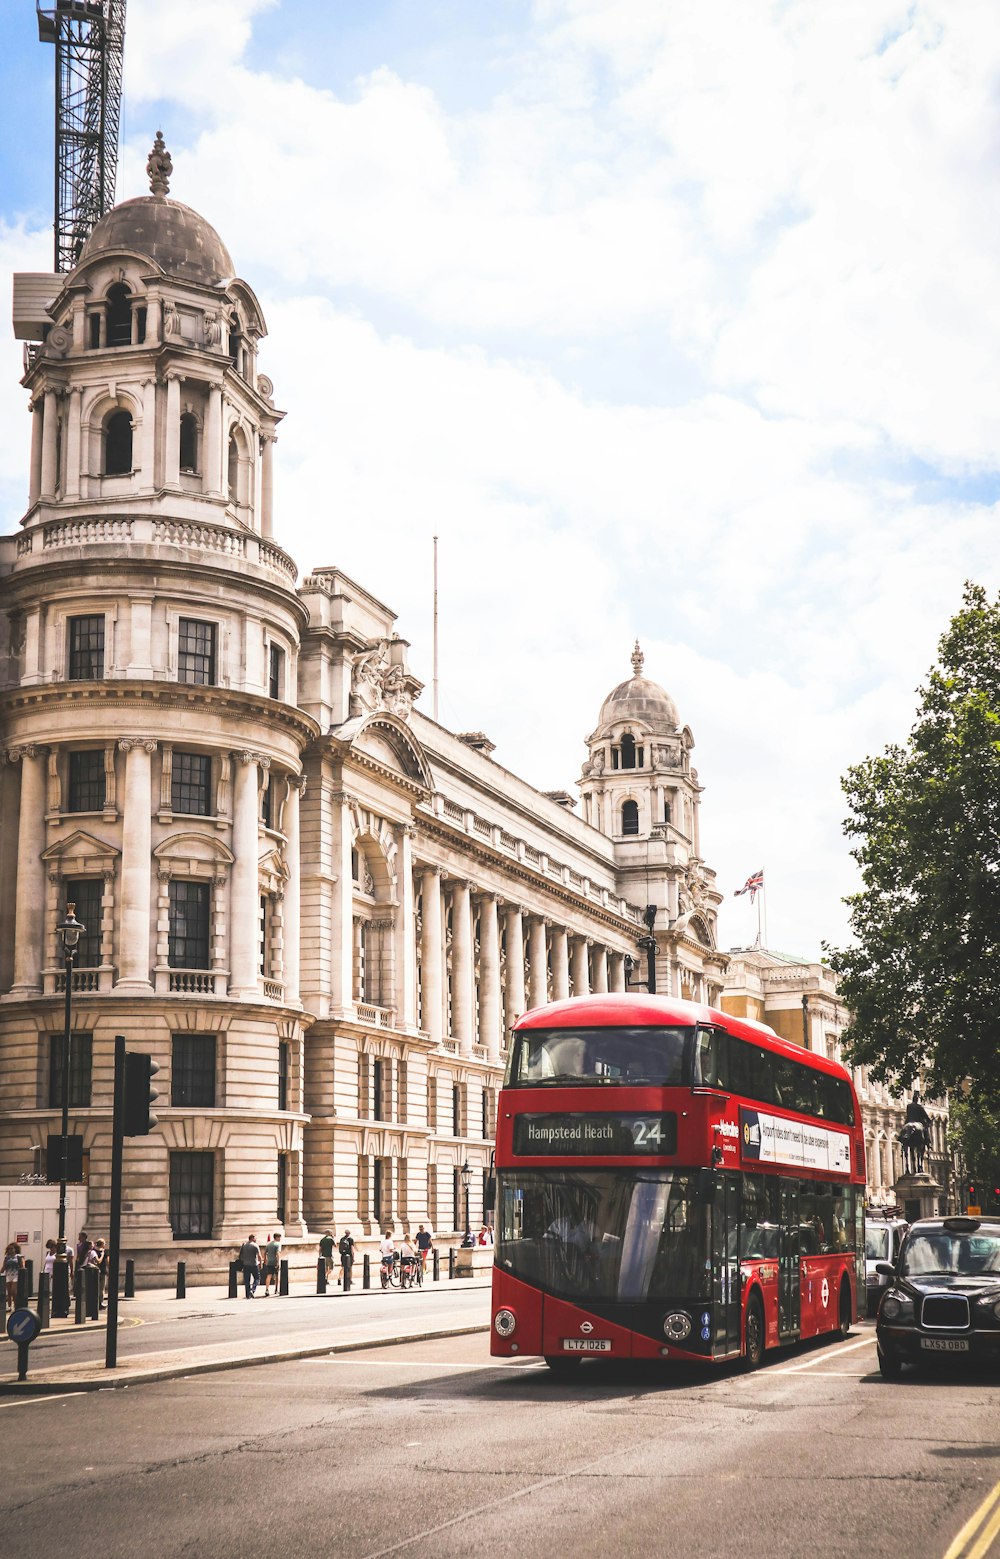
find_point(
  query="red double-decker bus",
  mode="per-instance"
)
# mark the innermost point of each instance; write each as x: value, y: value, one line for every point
x: 672, y: 1183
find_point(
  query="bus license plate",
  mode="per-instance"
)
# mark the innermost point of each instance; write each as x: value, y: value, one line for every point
x: 945, y: 1344
x: 587, y: 1344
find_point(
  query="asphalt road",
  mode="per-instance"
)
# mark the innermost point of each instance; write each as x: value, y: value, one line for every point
x: 435, y: 1448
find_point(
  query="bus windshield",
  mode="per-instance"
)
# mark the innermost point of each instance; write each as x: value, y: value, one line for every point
x: 651, y: 1057
x: 607, y: 1234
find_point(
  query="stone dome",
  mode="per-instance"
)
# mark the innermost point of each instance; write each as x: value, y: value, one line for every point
x: 641, y: 700
x: 177, y: 238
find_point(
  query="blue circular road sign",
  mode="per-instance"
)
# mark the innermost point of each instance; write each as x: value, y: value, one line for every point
x: 23, y: 1325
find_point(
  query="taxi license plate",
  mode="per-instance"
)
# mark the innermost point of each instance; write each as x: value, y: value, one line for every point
x: 945, y: 1344
x: 587, y: 1344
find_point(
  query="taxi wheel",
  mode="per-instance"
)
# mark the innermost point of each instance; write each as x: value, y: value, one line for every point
x: 753, y: 1347
x: 889, y: 1368
x: 559, y: 1364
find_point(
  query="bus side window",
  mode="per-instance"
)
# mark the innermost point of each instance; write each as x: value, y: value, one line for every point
x: 705, y: 1063
x: 785, y: 1091
x: 739, y: 1065
x: 761, y: 1080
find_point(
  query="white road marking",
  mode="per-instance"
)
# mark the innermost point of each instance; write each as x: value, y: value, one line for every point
x: 61, y: 1396
x: 824, y: 1358
x: 415, y: 1364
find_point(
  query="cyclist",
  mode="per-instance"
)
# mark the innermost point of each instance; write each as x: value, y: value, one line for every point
x: 387, y: 1251
x: 409, y: 1258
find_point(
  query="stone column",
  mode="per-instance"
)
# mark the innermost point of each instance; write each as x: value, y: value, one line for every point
x: 514, y: 992
x: 581, y: 967
x: 50, y: 429
x: 461, y: 966
x: 148, y: 455
x: 342, y: 930
x: 267, y: 486
x: 172, y: 441
x: 137, y: 814
x: 29, y: 908
x: 489, y: 976
x: 292, y: 917
x: 73, y: 460
x: 600, y: 969
x: 244, y: 893
x: 616, y: 971
x: 538, y: 981
x: 404, y: 932
x: 212, y: 458
x: 560, y: 963
x: 430, y: 953
x: 35, y: 469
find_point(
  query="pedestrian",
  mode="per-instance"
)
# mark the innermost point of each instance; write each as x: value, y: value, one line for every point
x: 101, y: 1251
x: 13, y: 1263
x: 346, y: 1249
x: 326, y: 1247
x: 249, y: 1260
x: 272, y: 1256
x: 425, y: 1239
x: 82, y: 1246
x: 49, y: 1259
x: 485, y: 1235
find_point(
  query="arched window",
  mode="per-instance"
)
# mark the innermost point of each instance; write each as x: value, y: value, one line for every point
x: 628, y: 751
x: 235, y: 339
x: 118, y: 444
x: 234, y: 468
x: 119, y: 310
x: 189, y: 442
x: 630, y: 817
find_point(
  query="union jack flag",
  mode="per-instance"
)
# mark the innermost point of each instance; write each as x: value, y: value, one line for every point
x: 753, y: 885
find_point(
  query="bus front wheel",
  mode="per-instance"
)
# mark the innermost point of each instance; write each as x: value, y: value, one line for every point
x: 753, y: 1342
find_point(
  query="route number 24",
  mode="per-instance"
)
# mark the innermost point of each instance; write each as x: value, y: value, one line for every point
x: 647, y: 1132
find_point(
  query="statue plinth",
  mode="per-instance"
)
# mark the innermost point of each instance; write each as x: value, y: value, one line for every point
x: 919, y: 1195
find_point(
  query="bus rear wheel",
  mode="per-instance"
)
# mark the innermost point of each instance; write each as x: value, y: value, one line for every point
x: 560, y: 1365
x: 753, y: 1342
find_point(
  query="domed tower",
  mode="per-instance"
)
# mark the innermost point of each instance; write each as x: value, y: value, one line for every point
x: 149, y: 640
x: 639, y: 788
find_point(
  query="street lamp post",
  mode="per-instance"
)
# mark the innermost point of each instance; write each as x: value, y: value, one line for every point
x: 70, y: 931
x: 466, y: 1174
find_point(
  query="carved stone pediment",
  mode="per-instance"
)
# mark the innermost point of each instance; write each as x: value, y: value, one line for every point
x: 80, y: 854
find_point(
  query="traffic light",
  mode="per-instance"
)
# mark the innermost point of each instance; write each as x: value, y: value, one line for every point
x: 972, y: 1199
x: 139, y: 1094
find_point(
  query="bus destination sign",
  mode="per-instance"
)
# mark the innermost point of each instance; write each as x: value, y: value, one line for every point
x: 614, y: 1135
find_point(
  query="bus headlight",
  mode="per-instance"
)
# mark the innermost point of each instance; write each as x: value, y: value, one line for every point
x: 505, y: 1323
x: 676, y: 1326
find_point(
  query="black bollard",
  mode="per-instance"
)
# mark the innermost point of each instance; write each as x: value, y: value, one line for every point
x: 346, y: 1270
x: 45, y: 1300
x: 29, y: 1267
x: 283, y: 1277
x: 60, y: 1289
x: 234, y: 1279
x: 366, y: 1274
x: 23, y: 1288
x: 79, y: 1315
x: 181, y: 1280
x: 436, y: 1258
x: 451, y: 1262
x: 129, y: 1278
x: 92, y: 1293
x: 320, y: 1275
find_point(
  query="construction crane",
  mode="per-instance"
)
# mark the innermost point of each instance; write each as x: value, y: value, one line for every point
x: 89, y: 36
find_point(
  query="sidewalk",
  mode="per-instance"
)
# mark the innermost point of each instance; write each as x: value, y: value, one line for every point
x: 298, y: 1325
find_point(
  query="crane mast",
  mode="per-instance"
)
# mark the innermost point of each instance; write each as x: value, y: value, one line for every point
x: 89, y: 38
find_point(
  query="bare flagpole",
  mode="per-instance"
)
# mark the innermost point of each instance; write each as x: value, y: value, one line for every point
x: 435, y: 628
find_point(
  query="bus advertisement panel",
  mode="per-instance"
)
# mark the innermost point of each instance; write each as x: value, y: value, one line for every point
x: 672, y: 1183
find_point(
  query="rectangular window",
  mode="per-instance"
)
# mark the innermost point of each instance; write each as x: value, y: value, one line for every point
x: 379, y: 1190
x: 80, y: 1069
x: 192, y: 1195
x: 267, y: 804
x: 196, y: 652
x: 284, y: 1071
x: 432, y: 1103
x: 191, y: 784
x: 456, y: 1110
x: 276, y: 672
x: 86, y: 781
x: 486, y: 1112
x: 263, y: 935
x: 282, y: 1186
x: 192, y: 1073
x: 86, y: 648
x: 378, y: 1104
x: 85, y: 894
x: 189, y: 925
x: 456, y: 1199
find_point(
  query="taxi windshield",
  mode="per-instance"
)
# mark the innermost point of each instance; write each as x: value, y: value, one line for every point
x: 951, y: 1253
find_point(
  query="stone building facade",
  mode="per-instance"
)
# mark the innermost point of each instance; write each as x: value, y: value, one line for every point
x: 800, y: 1001
x: 317, y: 909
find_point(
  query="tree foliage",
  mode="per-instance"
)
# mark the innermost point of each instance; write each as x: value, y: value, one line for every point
x: 975, y: 1132
x: 922, y: 979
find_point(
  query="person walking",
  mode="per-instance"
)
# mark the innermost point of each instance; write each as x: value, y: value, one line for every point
x: 346, y: 1249
x: 249, y: 1260
x: 272, y: 1256
x: 424, y: 1241
x: 326, y: 1249
x: 101, y: 1263
x: 13, y: 1264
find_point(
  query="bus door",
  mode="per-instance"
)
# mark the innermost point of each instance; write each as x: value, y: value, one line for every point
x: 789, y: 1284
x: 725, y: 1265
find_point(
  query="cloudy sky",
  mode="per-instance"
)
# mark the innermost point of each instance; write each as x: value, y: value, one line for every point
x: 673, y: 319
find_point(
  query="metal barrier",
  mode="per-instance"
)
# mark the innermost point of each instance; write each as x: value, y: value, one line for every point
x: 451, y: 1262
x: 79, y: 1314
x: 92, y: 1292
x: 436, y: 1268
x: 346, y: 1273
x: 234, y: 1279
x: 45, y: 1300
x: 129, y: 1278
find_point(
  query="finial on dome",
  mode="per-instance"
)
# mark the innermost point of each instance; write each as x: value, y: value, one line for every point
x: 638, y: 660
x: 159, y: 166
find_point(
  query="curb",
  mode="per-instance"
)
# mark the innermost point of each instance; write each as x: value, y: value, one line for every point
x: 110, y: 1382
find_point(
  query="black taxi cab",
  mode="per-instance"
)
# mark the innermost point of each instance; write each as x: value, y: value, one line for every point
x: 942, y: 1300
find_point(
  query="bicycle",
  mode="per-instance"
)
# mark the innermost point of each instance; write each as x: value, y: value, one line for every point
x: 389, y: 1271
x: 411, y: 1274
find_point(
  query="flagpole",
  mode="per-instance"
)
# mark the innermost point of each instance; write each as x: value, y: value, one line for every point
x: 762, y: 919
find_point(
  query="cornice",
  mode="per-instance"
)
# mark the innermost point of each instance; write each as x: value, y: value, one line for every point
x: 150, y: 696
x: 349, y: 756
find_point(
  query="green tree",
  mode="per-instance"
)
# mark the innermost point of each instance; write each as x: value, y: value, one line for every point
x: 974, y: 1132
x: 922, y: 978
